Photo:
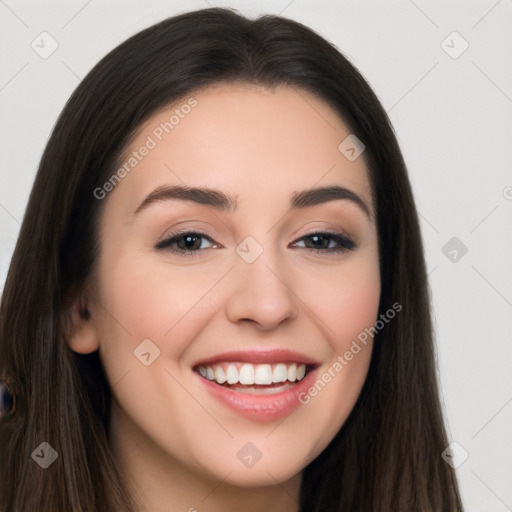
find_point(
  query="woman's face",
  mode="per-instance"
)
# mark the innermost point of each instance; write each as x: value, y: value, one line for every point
x: 250, y: 289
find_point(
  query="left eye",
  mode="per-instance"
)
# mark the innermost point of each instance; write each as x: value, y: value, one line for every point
x: 189, y: 242
x: 344, y: 243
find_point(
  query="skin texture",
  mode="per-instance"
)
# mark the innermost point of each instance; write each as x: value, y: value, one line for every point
x: 177, y: 444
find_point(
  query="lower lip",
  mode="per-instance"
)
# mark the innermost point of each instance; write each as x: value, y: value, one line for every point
x: 260, y: 408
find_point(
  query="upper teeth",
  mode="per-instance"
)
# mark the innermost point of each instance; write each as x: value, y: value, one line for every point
x: 246, y: 373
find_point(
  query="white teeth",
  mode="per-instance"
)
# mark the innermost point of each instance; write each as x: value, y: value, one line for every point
x: 248, y: 374
x: 232, y: 375
x: 280, y: 374
x: 263, y: 374
x: 292, y: 372
x: 219, y: 375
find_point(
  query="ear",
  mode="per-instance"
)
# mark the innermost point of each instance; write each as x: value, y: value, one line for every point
x: 82, y: 335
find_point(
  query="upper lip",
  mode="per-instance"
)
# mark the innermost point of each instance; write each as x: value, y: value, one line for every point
x: 259, y: 356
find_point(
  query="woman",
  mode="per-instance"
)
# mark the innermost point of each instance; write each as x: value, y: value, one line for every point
x: 288, y: 364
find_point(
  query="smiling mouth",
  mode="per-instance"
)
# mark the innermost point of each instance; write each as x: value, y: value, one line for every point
x: 255, y: 378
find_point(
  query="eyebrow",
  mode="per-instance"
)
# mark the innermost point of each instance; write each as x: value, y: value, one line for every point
x: 223, y: 202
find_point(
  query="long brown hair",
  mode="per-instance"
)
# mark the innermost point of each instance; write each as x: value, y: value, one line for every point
x: 387, y: 455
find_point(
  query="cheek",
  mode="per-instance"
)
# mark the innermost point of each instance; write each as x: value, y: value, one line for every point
x: 148, y: 299
x: 347, y: 310
x: 144, y: 300
x: 349, y: 301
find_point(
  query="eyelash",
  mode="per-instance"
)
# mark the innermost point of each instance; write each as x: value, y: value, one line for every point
x: 346, y: 244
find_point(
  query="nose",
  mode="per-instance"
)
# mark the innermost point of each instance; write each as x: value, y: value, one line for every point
x: 263, y: 293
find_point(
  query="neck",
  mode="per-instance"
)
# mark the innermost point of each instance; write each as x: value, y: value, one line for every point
x: 161, y: 483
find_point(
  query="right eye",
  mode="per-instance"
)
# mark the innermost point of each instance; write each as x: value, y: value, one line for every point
x: 188, y: 243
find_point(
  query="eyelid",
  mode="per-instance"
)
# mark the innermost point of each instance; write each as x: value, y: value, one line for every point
x: 165, y: 240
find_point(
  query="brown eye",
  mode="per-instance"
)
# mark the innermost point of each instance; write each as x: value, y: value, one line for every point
x: 187, y: 242
x: 322, y: 240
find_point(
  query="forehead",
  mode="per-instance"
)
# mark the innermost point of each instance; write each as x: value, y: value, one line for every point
x: 247, y: 140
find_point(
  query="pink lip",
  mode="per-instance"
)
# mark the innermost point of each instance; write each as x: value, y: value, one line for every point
x: 259, y: 357
x: 260, y: 408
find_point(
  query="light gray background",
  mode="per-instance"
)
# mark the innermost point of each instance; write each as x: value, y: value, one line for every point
x: 453, y: 119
